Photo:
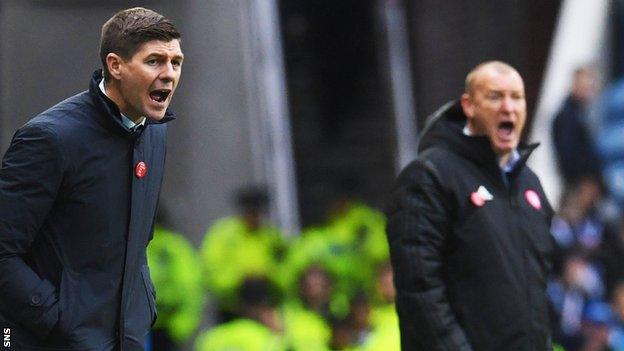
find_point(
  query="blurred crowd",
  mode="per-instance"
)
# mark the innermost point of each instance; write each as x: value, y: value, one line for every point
x: 329, y: 288
x: 587, y: 287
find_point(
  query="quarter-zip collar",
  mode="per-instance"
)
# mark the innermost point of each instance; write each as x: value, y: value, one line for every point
x: 110, y: 118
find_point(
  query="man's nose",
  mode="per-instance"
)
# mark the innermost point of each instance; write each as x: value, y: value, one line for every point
x: 168, y: 73
x: 508, y: 104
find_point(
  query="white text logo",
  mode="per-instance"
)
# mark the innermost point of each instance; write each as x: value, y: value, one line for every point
x: 7, y: 337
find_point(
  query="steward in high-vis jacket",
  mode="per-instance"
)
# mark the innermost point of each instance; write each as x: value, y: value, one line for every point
x: 259, y: 326
x: 237, y: 247
x: 173, y: 263
x: 79, y: 187
x: 468, y: 227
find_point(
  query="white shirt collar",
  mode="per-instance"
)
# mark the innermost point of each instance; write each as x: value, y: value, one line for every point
x: 512, y: 161
x: 124, y: 119
x: 466, y: 130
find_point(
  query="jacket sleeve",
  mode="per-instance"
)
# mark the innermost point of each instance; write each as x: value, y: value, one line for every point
x: 30, y: 177
x: 418, y: 225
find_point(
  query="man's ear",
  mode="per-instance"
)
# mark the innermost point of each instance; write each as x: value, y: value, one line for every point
x: 114, y: 63
x: 466, y: 104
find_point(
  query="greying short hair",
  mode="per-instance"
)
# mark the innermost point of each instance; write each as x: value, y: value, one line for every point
x: 499, y: 66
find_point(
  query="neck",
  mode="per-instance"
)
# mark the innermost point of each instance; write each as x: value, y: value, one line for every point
x: 113, y: 92
x: 469, y: 129
x: 503, y: 159
x: 315, y: 305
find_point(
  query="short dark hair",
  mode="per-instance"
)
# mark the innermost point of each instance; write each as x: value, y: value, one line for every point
x: 252, y: 198
x: 258, y: 291
x: 124, y: 33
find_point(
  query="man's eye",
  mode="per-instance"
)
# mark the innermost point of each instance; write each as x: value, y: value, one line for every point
x: 176, y: 63
x: 152, y: 62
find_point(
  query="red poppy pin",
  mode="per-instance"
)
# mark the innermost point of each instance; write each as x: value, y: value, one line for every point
x: 140, y: 170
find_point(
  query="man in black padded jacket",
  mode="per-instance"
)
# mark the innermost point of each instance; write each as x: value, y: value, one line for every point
x: 468, y: 226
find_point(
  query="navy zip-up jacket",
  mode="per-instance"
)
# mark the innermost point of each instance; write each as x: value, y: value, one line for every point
x: 75, y: 221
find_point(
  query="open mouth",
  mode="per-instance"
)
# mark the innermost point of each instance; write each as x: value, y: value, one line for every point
x: 160, y: 95
x: 506, y: 129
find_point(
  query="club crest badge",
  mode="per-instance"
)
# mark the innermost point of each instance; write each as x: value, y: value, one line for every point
x: 479, y: 197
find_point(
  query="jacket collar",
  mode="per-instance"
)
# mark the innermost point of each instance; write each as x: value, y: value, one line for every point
x: 110, y: 117
x: 444, y: 129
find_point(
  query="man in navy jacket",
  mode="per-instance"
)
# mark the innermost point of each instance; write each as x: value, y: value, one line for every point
x: 79, y: 187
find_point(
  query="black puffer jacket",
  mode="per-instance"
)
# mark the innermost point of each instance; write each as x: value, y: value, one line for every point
x: 471, y: 255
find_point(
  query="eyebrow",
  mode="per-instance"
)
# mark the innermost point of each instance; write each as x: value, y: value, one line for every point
x: 179, y: 56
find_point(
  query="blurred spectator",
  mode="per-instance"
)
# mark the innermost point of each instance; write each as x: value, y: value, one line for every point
x: 384, y: 285
x: 369, y: 327
x: 589, y: 267
x: 349, y: 246
x: 341, y: 335
x: 174, y: 263
x: 583, y: 226
x: 358, y: 330
x: 610, y: 144
x: 579, y: 233
x: 259, y: 328
x: 614, y: 256
x: 321, y: 246
x: 598, y: 318
x: 306, y: 314
x: 362, y: 227
x: 578, y: 226
x: 573, y: 141
x: 352, y: 332
x: 239, y: 246
x: 359, y: 315
x: 616, y: 335
x: 384, y: 318
x: 320, y: 273
x: 315, y: 290
x: 569, y: 295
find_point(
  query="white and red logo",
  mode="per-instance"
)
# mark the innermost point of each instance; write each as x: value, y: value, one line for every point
x: 533, y: 199
x: 479, y: 197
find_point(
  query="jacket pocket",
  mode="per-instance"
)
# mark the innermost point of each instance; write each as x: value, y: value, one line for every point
x: 150, y: 291
x: 67, y: 303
